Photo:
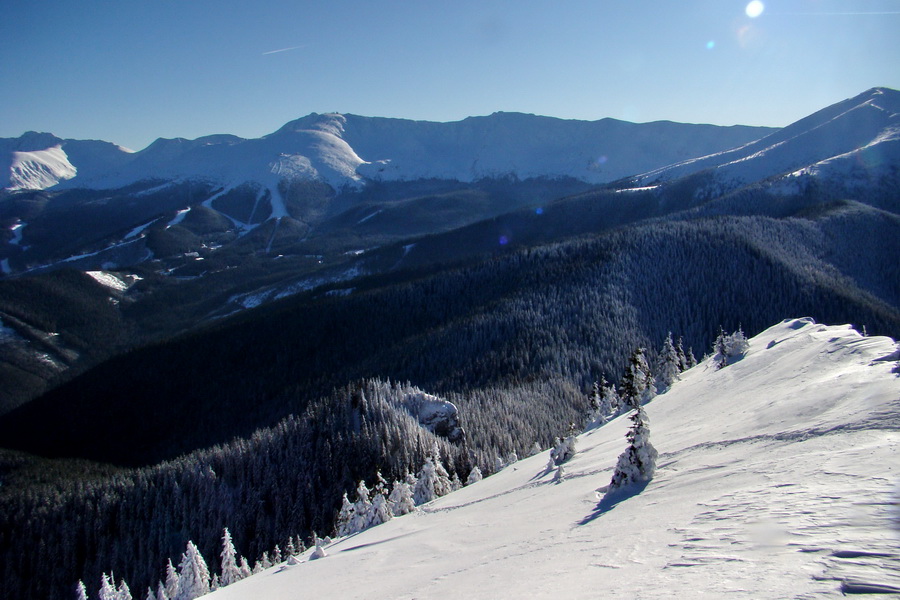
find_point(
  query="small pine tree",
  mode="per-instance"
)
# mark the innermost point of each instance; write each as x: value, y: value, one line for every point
x: 150, y: 594
x: 289, y: 549
x: 123, y: 593
x: 276, y: 555
x: 669, y: 365
x: 230, y: 571
x: 638, y: 463
x: 401, y: 499
x: 425, y: 484
x: 80, y: 591
x: 264, y: 561
x: 362, y: 510
x: 720, y: 350
x: 474, y: 476
x: 381, y: 510
x: 193, y: 574
x: 246, y: 571
x: 345, y: 519
x: 171, y: 581
x: 637, y: 383
x: 161, y: 591
x: 107, y: 588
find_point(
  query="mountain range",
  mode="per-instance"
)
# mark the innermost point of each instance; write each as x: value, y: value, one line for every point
x: 185, y: 328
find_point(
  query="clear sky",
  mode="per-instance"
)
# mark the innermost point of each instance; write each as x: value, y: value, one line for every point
x: 129, y: 71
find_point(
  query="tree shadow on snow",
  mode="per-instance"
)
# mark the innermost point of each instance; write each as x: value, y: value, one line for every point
x: 610, y: 501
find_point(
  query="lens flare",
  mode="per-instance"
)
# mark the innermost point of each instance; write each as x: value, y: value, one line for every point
x: 754, y: 9
x: 710, y: 44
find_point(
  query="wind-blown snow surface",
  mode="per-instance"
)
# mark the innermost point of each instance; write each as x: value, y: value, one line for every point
x: 777, y: 478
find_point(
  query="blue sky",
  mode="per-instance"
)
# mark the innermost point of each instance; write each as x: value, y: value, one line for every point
x: 130, y: 71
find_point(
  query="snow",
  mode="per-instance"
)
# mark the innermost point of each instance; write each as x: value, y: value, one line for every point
x: 179, y: 217
x: 113, y: 281
x: 777, y: 478
x: 17, y: 232
x: 39, y: 169
x: 834, y: 134
x: 344, y: 150
x: 4, y: 266
x: 139, y: 229
x: 366, y: 218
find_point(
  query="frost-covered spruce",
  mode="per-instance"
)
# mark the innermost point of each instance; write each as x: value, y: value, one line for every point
x: 475, y: 475
x: 424, y: 490
x: 123, y: 593
x: 401, y: 499
x: 231, y: 573
x: 344, y: 523
x: 638, y: 463
x: 362, y: 510
x: 669, y: 369
x: 80, y: 591
x: 171, y: 581
x: 381, y: 511
x: 637, y: 383
x: 193, y: 574
x: 107, y: 588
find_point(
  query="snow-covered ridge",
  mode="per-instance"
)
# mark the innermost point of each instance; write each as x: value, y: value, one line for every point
x: 863, y: 129
x: 777, y: 477
x: 346, y: 149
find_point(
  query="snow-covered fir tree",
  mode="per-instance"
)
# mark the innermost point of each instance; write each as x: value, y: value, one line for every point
x: 276, y: 555
x: 729, y: 347
x: 637, y: 382
x: 343, y: 525
x: 425, y: 483
x: 171, y: 581
x: 362, y: 510
x: 80, y: 591
x: 669, y: 365
x: 604, y: 403
x: 246, y: 571
x: 401, y: 499
x: 638, y: 462
x: 107, y: 588
x: 151, y: 595
x: 381, y: 510
x: 123, y: 593
x: 474, y: 476
x: 193, y: 574
x: 231, y: 573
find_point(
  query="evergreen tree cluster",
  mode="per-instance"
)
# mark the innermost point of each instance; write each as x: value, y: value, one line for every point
x: 289, y: 477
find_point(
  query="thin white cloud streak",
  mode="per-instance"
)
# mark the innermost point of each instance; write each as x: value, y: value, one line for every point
x: 284, y: 50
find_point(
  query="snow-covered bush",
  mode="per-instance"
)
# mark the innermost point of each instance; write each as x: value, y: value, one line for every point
x: 729, y: 347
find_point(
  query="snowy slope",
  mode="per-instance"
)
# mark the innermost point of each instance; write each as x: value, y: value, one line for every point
x: 37, y: 161
x: 860, y: 132
x: 777, y: 478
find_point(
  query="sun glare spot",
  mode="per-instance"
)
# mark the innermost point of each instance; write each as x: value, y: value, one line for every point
x: 754, y: 9
x: 710, y: 44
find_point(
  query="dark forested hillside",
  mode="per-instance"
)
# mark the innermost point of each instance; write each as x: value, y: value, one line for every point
x: 77, y: 520
x: 570, y: 310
